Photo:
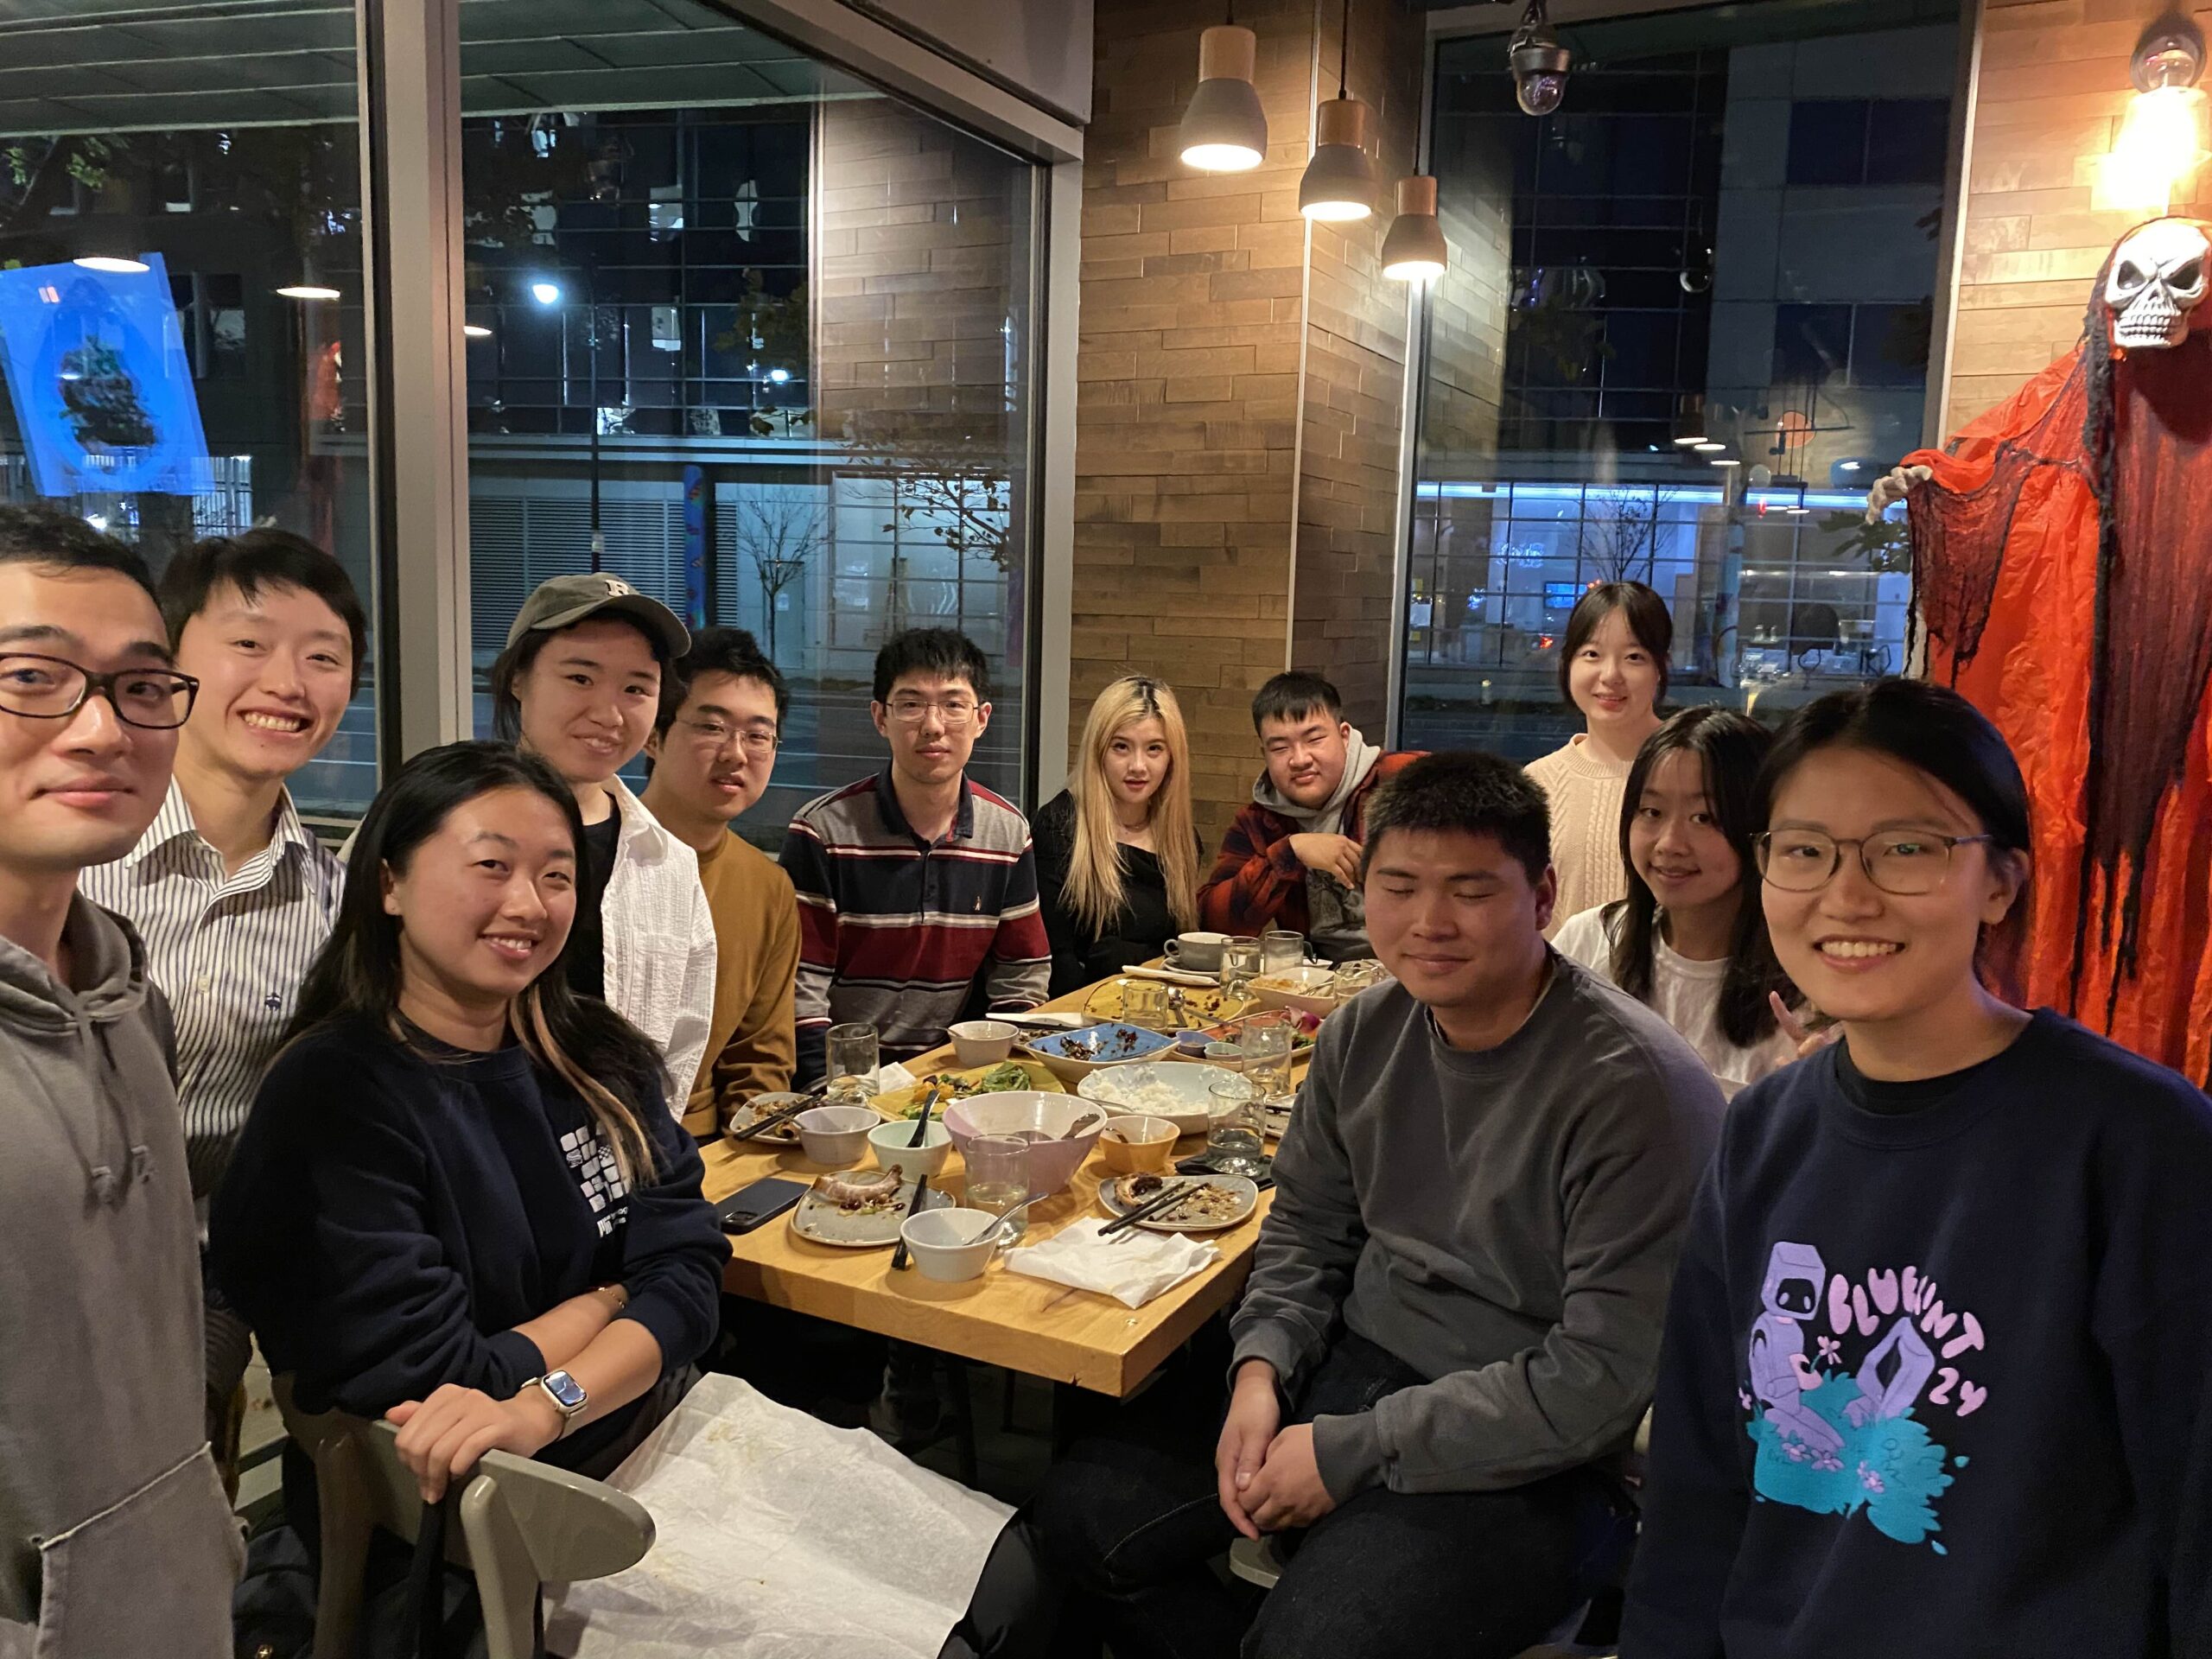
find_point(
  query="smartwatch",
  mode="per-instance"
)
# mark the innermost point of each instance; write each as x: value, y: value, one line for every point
x: 568, y: 1396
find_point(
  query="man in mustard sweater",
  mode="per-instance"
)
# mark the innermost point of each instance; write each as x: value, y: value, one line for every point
x: 712, y: 753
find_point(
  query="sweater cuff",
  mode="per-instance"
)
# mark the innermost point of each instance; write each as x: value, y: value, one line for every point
x: 518, y: 1356
x: 665, y: 1323
x: 1270, y: 1340
x: 1348, y: 1452
x: 1282, y: 859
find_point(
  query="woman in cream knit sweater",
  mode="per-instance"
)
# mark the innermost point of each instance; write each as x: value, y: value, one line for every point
x: 1612, y: 667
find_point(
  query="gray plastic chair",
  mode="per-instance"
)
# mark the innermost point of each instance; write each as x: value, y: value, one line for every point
x: 524, y: 1524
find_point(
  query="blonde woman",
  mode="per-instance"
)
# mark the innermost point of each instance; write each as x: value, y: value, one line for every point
x: 1117, y: 858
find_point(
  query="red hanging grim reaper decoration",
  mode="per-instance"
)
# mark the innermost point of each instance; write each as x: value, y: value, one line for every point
x: 2063, y: 549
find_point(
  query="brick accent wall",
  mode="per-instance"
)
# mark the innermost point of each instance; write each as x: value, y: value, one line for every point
x: 1237, y: 423
x: 2053, y: 92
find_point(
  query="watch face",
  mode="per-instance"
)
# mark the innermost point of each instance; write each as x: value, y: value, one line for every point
x: 566, y: 1389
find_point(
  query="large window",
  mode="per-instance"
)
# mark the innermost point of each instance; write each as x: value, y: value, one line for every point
x: 181, y: 290
x: 1685, y: 326
x: 761, y: 335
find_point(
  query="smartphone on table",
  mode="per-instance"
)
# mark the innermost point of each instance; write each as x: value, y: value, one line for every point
x: 763, y: 1201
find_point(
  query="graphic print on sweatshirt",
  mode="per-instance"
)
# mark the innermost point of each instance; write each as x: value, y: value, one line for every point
x: 1854, y: 1385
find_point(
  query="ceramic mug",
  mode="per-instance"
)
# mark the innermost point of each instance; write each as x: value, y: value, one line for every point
x: 1196, y: 953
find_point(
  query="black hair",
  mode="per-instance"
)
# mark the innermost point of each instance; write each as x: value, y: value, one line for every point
x: 611, y: 1063
x: 1648, y: 623
x: 1937, y: 732
x: 945, y: 653
x: 62, y: 540
x: 1730, y: 746
x: 1469, y: 792
x: 510, y: 665
x: 1295, y: 695
x: 720, y: 651
x: 262, y: 558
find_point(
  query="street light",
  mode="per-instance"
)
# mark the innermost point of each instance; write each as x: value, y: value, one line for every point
x: 548, y: 293
x: 545, y: 293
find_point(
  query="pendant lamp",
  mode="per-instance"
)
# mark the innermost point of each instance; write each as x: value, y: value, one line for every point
x: 1224, y: 129
x: 1414, y: 250
x: 1341, y: 182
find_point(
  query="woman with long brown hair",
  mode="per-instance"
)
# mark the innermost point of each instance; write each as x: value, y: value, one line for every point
x: 1118, y: 857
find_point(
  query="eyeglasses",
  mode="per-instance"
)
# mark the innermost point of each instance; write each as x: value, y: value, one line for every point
x: 1906, y: 862
x: 757, y: 740
x: 955, y: 712
x: 52, y: 688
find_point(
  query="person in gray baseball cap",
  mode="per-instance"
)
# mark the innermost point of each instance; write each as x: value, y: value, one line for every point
x: 580, y: 685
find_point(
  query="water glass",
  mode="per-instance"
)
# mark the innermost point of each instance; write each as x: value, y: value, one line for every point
x: 853, y: 1057
x: 1144, y: 1002
x: 1266, y: 1059
x: 1236, y: 1128
x: 1240, y: 965
x: 1281, y: 950
x: 998, y: 1175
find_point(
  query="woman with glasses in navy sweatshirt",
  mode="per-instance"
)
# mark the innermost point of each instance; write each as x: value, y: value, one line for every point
x: 461, y: 1201
x: 1937, y: 1376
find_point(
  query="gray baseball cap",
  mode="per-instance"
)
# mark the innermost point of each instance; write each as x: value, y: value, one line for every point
x: 563, y: 602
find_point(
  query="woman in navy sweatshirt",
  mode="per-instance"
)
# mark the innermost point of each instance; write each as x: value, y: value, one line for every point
x: 1938, y: 1370
x: 461, y: 1201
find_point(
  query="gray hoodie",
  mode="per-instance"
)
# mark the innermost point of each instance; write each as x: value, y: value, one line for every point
x: 115, y: 1538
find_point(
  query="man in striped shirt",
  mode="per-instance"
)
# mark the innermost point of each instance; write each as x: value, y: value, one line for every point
x: 917, y: 890
x: 231, y: 893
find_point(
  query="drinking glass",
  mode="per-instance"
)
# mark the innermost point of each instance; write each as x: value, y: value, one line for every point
x: 1281, y: 950
x: 998, y: 1175
x: 1266, y: 1059
x: 1240, y: 965
x: 1144, y: 1002
x: 1235, y: 1129
x: 853, y: 1057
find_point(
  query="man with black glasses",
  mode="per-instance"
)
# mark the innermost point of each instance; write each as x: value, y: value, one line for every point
x: 114, y: 1534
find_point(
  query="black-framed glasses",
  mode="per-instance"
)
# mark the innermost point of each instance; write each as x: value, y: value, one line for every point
x: 1906, y: 862
x: 54, y: 687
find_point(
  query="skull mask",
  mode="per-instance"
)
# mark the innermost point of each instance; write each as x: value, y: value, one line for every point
x: 2158, y: 278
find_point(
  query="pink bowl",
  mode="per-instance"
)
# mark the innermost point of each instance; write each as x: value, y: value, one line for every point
x: 1052, y: 1163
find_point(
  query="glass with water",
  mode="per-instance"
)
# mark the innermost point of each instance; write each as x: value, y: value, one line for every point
x: 1281, y: 950
x: 852, y: 1053
x: 1240, y: 965
x: 1266, y: 1059
x: 1237, y: 1140
x: 998, y: 1174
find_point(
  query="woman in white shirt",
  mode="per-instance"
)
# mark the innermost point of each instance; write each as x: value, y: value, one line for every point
x: 579, y: 685
x: 1690, y: 937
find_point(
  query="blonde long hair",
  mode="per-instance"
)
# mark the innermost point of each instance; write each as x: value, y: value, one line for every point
x: 1094, y: 887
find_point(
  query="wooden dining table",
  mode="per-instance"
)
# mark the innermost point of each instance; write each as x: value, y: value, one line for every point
x: 1006, y: 1319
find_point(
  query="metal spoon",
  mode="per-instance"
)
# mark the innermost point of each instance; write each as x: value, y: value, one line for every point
x: 1000, y: 1222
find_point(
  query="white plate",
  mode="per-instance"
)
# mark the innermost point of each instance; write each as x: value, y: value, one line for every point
x: 824, y: 1223
x: 1109, y: 1195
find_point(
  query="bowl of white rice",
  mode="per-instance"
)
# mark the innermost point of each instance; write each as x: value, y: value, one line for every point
x: 1154, y: 1088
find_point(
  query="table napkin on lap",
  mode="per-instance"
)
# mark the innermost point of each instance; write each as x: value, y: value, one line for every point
x: 1132, y: 1267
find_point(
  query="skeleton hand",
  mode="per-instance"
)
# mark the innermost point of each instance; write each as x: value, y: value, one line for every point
x: 1890, y: 489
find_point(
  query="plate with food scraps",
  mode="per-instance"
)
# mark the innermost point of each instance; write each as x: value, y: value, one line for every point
x: 747, y: 1113
x: 1214, y: 1202
x: 965, y: 1083
x: 1186, y: 1008
x: 860, y: 1211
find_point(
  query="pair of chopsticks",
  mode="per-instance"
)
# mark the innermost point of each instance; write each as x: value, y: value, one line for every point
x: 922, y: 1187
x: 782, y: 1115
x: 1158, y: 1203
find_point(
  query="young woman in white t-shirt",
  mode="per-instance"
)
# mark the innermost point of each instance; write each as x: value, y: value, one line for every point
x: 1690, y: 938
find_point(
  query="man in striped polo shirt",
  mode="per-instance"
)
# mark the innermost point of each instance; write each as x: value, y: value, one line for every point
x: 917, y: 890
x: 232, y: 895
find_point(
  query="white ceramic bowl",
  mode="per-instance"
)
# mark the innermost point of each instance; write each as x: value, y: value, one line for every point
x: 937, y: 1239
x: 1052, y: 1162
x: 982, y: 1042
x: 1116, y: 1089
x: 889, y: 1141
x: 1141, y: 1045
x: 836, y: 1137
x: 1312, y: 993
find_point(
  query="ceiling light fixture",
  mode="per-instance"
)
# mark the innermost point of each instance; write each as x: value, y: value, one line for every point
x: 476, y: 331
x: 1341, y: 181
x: 1224, y: 129
x: 306, y: 292
x: 1414, y: 250
x: 120, y: 265
x: 1539, y: 62
x: 1707, y: 447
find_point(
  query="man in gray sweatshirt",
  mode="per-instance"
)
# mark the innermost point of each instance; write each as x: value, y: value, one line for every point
x: 1455, y: 1305
x: 114, y: 1536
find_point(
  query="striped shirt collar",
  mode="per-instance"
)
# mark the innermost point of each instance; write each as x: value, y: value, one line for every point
x: 174, y: 820
x: 886, y: 799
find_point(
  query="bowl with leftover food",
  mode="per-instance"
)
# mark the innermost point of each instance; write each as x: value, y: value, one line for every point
x: 1309, y: 989
x: 835, y: 1136
x: 1130, y: 1145
x: 982, y: 1042
x: 1042, y: 1120
x: 1177, y: 1093
x: 889, y: 1141
x: 1074, y: 1055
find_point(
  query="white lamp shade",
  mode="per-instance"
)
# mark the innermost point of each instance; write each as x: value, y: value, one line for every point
x: 1341, y: 181
x: 1414, y: 249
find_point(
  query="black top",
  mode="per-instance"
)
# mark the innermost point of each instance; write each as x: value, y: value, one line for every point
x: 1081, y: 955
x: 1938, y: 1375
x: 587, y: 959
x: 390, y: 1218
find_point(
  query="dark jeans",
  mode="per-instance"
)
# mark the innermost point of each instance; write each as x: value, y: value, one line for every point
x: 1118, y: 1540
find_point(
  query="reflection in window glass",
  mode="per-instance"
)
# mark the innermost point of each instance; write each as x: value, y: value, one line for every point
x: 1685, y: 326
x: 181, y: 293
x: 768, y: 329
